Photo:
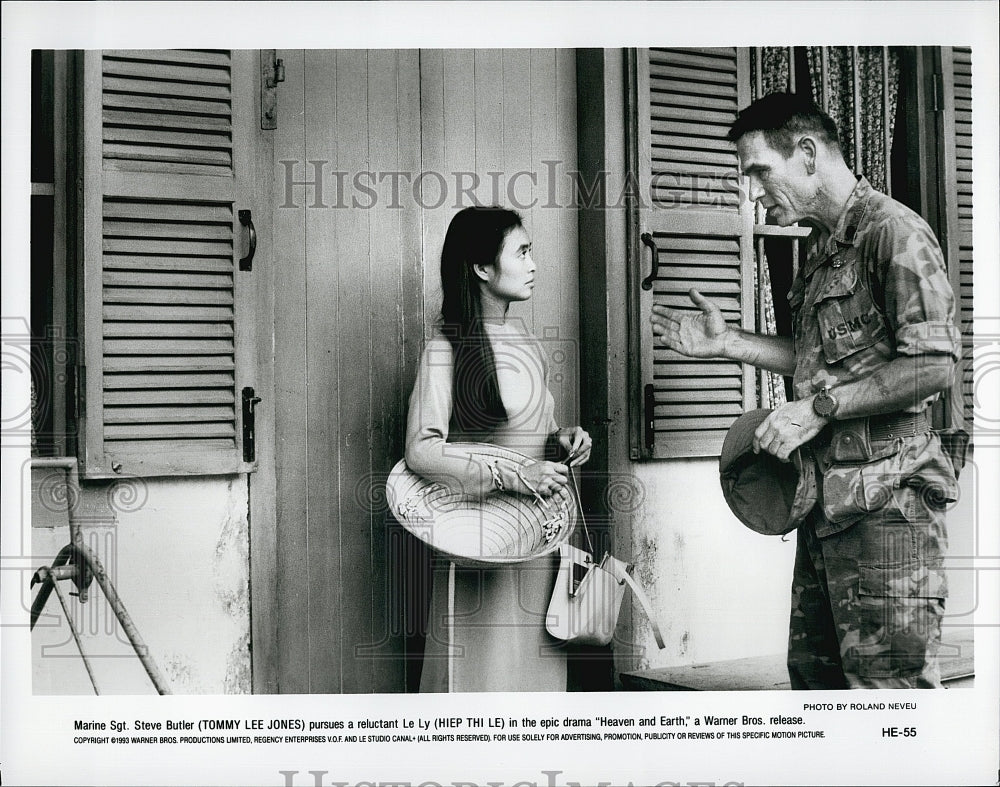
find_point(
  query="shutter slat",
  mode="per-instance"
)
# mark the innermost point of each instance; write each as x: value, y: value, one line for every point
x: 183, y: 365
x: 168, y: 279
x: 169, y: 105
x: 691, y: 59
x: 707, y: 287
x: 167, y: 346
x: 720, y: 423
x: 178, y: 330
x: 692, y: 409
x: 693, y: 129
x: 129, y: 262
x: 184, y: 312
x: 152, y: 414
x: 142, y: 229
x: 201, y: 381
x: 702, y: 156
x: 152, y: 247
x: 717, y: 52
x: 185, y: 396
x: 203, y: 74
x: 666, y: 99
x: 163, y: 120
x: 124, y: 85
x: 194, y: 212
x: 703, y: 385
x: 710, y: 172
x: 674, y: 86
x: 710, y: 193
x: 700, y: 273
x: 195, y: 431
x: 165, y: 296
x: 693, y: 76
x: 683, y: 395
x: 702, y: 369
x: 208, y: 139
x: 164, y: 230
x: 192, y: 155
x: 206, y: 57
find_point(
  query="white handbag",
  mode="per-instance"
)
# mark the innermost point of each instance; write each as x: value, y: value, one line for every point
x: 587, y: 596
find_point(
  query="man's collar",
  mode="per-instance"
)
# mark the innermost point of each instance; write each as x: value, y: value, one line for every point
x: 847, y: 226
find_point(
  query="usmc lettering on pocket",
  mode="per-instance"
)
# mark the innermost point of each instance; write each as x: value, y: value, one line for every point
x: 848, y: 322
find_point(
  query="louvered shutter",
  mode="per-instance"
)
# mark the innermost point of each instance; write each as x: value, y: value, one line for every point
x: 165, y: 329
x: 957, y: 168
x: 691, y: 206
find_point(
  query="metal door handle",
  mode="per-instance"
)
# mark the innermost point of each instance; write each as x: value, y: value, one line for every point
x: 647, y: 240
x: 246, y: 263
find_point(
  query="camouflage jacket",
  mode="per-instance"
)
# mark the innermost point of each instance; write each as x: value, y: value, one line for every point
x: 875, y: 289
x: 881, y: 258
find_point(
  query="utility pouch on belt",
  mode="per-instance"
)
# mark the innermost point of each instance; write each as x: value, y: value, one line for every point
x: 850, y: 441
x: 955, y: 443
x: 858, y: 472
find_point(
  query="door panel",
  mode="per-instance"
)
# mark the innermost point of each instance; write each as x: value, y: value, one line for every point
x: 373, y: 154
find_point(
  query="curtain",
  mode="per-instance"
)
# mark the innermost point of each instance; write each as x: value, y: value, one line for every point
x: 872, y: 95
x: 773, y: 70
x: 859, y: 88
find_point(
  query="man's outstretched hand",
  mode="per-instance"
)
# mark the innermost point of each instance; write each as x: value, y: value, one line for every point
x: 696, y: 334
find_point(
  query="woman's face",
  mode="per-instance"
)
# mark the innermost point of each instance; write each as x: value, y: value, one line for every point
x: 512, y: 277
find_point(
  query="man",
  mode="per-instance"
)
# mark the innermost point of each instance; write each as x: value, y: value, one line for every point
x: 873, y: 344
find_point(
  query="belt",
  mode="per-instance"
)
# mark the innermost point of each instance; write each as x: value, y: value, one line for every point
x: 886, y: 426
x: 892, y: 425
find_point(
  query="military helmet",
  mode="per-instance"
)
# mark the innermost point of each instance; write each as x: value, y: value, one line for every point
x: 767, y: 495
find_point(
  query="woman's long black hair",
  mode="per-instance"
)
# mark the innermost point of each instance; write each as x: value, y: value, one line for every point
x: 475, y: 237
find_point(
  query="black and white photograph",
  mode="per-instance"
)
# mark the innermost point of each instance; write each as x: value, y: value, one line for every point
x: 541, y: 373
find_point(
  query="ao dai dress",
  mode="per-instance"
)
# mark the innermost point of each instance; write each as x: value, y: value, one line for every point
x: 486, y: 628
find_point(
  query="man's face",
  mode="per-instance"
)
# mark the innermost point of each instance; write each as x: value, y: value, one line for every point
x: 782, y: 185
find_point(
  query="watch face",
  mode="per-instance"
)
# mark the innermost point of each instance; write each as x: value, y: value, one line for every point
x: 824, y: 404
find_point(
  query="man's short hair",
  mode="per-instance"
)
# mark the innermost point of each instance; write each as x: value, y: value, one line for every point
x: 782, y: 118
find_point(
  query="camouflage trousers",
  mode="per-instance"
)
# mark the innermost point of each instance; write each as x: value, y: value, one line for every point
x: 867, y: 601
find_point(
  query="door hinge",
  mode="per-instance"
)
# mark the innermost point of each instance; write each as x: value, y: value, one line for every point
x: 250, y: 402
x: 78, y: 389
x: 649, y: 405
x: 272, y: 71
x: 937, y: 92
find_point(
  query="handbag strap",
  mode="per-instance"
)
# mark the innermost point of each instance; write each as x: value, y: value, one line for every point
x: 621, y: 569
x: 646, y: 605
x: 579, y: 507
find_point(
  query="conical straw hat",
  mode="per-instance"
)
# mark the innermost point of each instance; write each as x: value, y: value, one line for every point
x: 503, y: 527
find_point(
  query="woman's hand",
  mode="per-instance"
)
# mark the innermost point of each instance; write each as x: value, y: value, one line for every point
x: 575, y: 441
x: 545, y: 478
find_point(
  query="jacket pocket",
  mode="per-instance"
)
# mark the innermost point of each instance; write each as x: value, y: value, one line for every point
x: 900, y: 610
x: 848, y: 321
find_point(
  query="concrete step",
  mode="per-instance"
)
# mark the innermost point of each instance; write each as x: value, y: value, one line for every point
x: 762, y: 673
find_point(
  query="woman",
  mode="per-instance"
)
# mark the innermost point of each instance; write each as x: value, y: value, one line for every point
x: 483, y: 378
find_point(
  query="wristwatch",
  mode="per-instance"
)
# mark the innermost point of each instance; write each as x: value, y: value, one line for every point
x: 825, y: 403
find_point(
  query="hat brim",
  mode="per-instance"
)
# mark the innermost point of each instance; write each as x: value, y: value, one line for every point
x: 500, y: 528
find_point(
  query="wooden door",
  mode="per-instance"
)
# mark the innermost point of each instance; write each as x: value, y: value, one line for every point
x: 347, y: 327
x: 373, y: 154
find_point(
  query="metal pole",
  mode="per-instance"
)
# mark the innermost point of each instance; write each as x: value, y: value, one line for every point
x: 138, y: 645
x: 76, y: 637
